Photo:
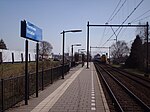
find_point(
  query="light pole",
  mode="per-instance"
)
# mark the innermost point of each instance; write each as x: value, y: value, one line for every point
x: 72, y: 50
x: 63, y: 33
x: 80, y: 50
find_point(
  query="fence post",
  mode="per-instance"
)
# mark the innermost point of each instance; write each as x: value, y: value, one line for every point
x: 26, y: 74
x: 42, y: 78
x: 29, y: 58
x: 21, y: 57
x: 2, y: 84
x: 12, y: 58
x: 51, y: 75
x: 37, y: 68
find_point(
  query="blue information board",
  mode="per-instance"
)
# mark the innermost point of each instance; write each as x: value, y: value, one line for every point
x: 30, y: 31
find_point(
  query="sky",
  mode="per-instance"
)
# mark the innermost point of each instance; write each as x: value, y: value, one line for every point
x: 54, y: 16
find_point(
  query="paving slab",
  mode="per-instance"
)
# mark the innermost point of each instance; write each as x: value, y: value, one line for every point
x: 33, y: 102
x: 80, y: 91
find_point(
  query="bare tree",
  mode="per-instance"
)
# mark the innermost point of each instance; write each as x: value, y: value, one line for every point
x: 136, y: 57
x: 45, y: 49
x: 142, y: 32
x: 119, y: 52
x: 2, y: 44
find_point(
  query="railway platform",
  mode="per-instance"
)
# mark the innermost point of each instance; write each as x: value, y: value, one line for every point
x: 80, y: 91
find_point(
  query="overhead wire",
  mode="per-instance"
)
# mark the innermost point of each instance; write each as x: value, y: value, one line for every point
x: 112, y: 16
x: 141, y: 19
x: 132, y: 12
x: 129, y: 16
x: 123, y: 22
x: 114, y: 33
x: 115, y: 15
x: 118, y: 11
x: 137, y: 19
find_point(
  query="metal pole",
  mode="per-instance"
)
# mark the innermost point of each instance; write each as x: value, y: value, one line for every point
x: 109, y: 55
x: 42, y: 73
x: 72, y: 53
x: 90, y: 53
x: 117, y: 25
x: 114, y: 33
x: 42, y: 67
x: 21, y: 58
x: 37, y: 64
x: 51, y: 75
x: 2, y: 98
x: 26, y: 73
x: 147, y: 49
x: 63, y: 54
x: 88, y: 45
x: 12, y: 58
x: 78, y: 51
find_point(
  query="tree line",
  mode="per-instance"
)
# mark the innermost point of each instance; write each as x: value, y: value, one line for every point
x: 45, y: 48
x: 136, y: 56
x: 2, y: 44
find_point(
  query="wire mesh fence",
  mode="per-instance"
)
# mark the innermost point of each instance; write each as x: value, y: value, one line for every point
x: 12, y: 89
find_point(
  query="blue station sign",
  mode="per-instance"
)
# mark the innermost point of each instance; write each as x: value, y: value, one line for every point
x: 30, y: 31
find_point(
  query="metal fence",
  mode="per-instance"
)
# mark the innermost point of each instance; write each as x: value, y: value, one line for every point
x: 12, y: 89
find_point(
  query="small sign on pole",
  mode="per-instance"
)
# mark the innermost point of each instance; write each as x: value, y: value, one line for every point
x: 32, y: 32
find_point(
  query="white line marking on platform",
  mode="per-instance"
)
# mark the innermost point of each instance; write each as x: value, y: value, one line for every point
x: 92, y: 100
x: 93, y: 108
x: 93, y: 97
x: 93, y: 104
x: 92, y: 92
x: 48, y: 102
x: 102, y: 94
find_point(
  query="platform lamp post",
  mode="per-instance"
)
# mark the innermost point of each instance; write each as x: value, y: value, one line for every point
x: 63, y: 33
x: 110, y: 47
x: 72, y: 51
x: 80, y: 50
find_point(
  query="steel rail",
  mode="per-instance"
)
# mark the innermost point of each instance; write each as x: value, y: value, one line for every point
x: 139, y: 101
x: 117, y: 104
x: 125, y: 74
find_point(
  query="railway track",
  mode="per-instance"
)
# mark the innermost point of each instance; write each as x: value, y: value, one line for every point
x: 123, y: 98
x: 137, y: 78
x: 140, y: 87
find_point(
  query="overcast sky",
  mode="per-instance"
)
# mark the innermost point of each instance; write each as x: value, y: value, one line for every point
x: 54, y: 16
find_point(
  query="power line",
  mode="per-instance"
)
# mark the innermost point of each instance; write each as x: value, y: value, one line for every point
x: 118, y: 11
x: 111, y: 17
x: 136, y: 19
x: 103, y: 34
x: 114, y: 33
x: 124, y: 22
x: 114, y: 11
x: 142, y: 18
x: 132, y: 12
x: 130, y: 15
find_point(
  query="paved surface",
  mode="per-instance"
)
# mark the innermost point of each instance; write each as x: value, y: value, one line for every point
x: 80, y: 91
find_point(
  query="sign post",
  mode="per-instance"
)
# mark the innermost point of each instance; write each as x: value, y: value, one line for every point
x: 119, y: 26
x: 26, y: 73
x: 32, y: 32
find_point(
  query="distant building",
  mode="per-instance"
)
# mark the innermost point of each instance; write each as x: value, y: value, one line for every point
x: 15, y: 56
x: 59, y: 57
x: 144, y: 40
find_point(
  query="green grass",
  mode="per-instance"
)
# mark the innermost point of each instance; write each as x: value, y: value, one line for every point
x: 117, y: 66
x: 136, y: 71
x: 11, y: 70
